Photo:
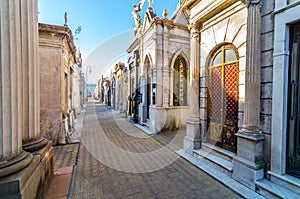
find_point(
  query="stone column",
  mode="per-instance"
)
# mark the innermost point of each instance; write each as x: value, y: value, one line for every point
x: 12, y: 157
x: 159, y: 84
x: 136, y: 84
x: 32, y: 140
x: 166, y: 69
x: 249, y: 160
x: 129, y: 97
x: 192, y: 139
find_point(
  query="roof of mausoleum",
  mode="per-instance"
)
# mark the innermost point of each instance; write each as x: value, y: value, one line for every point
x: 48, y: 32
x: 178, y: 20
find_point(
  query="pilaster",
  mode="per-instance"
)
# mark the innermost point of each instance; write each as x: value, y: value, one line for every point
x: 192, y: 140
x: 159, y: 86
x: 166, y: 70
x: 248, y: 165
x: 143, y: 104
x: 166, y: 87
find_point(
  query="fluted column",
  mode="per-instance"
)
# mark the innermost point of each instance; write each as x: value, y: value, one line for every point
x: 249, y: 159
x: 166, y: 67
x: 192, y: 139
x: 32, y: 140
x: 252, y: 79
x: 194, y: 71
x: 12, y: 157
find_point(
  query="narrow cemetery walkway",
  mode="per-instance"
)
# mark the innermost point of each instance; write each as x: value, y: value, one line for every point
x: 117, y: 160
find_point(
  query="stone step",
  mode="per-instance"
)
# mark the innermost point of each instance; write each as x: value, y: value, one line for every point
x: 223, y: 153
x: 287, y: 181
x: 146, y: 124
x: 222, y: 164
x: 269, y: 189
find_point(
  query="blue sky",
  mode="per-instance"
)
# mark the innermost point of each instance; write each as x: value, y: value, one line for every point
x: 101, y: 21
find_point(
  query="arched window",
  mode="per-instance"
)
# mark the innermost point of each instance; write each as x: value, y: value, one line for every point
x: 180, y: 82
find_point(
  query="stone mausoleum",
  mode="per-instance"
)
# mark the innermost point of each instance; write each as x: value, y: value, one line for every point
x: 158, y: 70
x: 244, y: 66
x: 60, y: 80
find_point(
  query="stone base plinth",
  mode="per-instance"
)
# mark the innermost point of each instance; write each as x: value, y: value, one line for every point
x: 142, y: 113
x: 35, y: 144
x: 65, y: 130
x: 31, y: 182
x: 246, y: 172
x: 248, y: 166
x: 192, y: 139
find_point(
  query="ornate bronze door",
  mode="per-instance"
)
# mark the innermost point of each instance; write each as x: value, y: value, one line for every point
x: 223, y: 99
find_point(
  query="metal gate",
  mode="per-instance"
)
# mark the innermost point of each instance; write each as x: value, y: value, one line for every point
x: 223, y: 102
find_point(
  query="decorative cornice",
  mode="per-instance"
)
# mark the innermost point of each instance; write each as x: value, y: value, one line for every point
x: 279, y: 10
x: 195, y: 29
x: 61, y: 32
x: 189, y: 3
x: 133, y: 44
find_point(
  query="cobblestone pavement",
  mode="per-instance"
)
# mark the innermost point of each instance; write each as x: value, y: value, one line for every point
x: 65, y: 155
x: 117, y: 160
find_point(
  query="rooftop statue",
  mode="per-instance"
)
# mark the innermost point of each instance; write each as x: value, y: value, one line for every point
x: 151, y: 3
x: 136, y: 16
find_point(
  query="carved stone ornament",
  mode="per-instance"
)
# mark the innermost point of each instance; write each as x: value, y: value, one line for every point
x: 195, y: 29
x: 253, y: 2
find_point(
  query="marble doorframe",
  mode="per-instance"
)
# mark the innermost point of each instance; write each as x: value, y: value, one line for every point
x: 284, y: 15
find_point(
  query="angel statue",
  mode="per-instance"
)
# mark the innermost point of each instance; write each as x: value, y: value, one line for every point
x: 136, y: 16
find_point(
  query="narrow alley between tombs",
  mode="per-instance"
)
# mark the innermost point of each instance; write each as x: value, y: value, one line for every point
x: 117, y: 160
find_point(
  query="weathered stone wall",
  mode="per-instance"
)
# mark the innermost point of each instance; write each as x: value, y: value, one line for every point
x: 57, y: 58
x: 51, y: 116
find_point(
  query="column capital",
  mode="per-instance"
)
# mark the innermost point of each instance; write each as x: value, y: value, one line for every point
x: 195, y: 28
x: 253, y: 2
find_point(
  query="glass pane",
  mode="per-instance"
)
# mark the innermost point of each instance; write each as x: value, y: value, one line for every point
x: 229, y: 56
x: 218, y: 59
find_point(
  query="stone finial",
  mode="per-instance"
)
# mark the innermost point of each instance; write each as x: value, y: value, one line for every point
x: 165, y: 13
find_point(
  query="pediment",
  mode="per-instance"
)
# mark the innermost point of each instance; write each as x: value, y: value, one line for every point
x: 148, y: 18
x: 146, y: 23
x: 180, y: 17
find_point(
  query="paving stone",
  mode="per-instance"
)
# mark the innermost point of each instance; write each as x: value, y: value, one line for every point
x: 178, y: 179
